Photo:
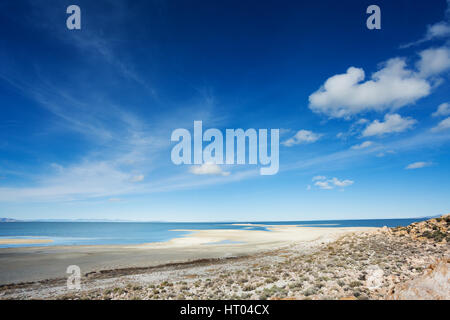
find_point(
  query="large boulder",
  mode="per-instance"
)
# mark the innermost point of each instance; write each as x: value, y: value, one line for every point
x: 434, y: 284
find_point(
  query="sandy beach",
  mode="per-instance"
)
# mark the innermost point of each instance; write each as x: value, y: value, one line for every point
x: 287, y: 262
x: 40, y: 263
x: 24, y: 241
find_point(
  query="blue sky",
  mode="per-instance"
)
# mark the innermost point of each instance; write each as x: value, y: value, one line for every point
x: 86, y: 115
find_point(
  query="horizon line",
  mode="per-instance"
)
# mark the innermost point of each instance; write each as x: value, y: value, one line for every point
x: 218, y: 221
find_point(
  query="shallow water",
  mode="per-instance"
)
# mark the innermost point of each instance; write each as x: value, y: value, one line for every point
x: 102, y: 233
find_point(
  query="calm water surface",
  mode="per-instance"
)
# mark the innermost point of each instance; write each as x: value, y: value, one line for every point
x: 96, y: 233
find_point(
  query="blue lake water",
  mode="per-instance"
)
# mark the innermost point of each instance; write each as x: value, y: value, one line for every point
x: 98, y: 233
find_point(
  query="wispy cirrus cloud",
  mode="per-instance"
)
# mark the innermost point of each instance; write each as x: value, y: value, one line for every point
x: 94, y: 181
x: 137, y: 178
x: 128, y: 147
x: 436, y: 31
x: 420, y: 140
x: 122, y: 147
x: 95, y: 44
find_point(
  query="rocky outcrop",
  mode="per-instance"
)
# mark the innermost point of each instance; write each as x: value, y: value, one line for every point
x: 434, y: 284
x: 433, y: 230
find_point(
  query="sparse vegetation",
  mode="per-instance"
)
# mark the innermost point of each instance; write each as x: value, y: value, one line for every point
x: 357, y: 266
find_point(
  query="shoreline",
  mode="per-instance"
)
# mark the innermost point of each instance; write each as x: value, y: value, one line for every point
x: 37, y: 263
x: 221, y: 234
x: 286, y: 263
x: 23, y: 241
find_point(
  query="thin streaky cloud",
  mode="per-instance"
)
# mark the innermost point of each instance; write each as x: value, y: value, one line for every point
x: 418, y: 165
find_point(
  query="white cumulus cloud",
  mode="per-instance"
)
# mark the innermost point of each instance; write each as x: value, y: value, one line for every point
x: 363, y: 145
x: 443, y: 125
x: 392, y: 123
x: 438, y: 30
x: 208, y: 169
x: 442, y: 110
x: 347, y: 94
x: 302, y: 136
x: 323, y: 185
x: 328, y: 184
x: 433, y: 61
x: 418, y: 165
x: 343, y: 183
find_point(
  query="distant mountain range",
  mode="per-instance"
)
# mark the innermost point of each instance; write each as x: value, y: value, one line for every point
x: 8, y: 220
x: 70, y: 220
